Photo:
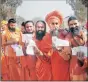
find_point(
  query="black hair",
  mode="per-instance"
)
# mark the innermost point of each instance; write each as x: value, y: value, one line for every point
x: 23, y: 23
x: 29, y: 21
x: 12, y: 20
x: 72, y: 18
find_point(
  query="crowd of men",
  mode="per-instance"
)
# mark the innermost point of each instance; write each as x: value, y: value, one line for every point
x: 28, y: 52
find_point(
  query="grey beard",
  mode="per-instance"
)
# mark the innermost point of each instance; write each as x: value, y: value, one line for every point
x: 54, y: 33
x: 74, y: 31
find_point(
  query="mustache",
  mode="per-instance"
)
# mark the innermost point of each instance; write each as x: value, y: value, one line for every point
x: 74, y: 31
x: 40, y: 32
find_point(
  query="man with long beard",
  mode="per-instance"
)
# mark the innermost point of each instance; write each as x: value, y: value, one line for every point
x: 60, y: 58
x: 76, y: 38
x: 43, y: 65
x: 11, y: 40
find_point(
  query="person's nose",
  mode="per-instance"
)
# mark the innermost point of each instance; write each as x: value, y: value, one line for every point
x: 73, y: 25
x: 30, y: 27
x: 55, y: 25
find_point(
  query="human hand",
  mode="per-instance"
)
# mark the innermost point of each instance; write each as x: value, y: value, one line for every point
x: 65, y: 52
x: 80, y: 56
x: 37, y: 51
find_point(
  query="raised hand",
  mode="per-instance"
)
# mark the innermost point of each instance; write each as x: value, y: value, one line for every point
x: 65, y: 52
x: 80, y: 57
x: 37, y: 51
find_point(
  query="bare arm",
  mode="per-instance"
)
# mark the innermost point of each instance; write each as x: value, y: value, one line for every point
x: 6, y: 42
x: 10, y: 42
x: 24, y: 49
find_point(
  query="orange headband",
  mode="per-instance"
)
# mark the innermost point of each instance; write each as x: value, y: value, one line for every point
x: 54, y: 15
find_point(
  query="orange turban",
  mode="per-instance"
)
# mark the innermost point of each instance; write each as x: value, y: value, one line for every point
x: 54, y: 15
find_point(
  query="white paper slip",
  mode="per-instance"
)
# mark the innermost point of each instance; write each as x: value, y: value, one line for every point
x: 80, y: 49
x: 30, y: 50
x: 17, y: 49
x: 59, y: 42
x: 26, y: 37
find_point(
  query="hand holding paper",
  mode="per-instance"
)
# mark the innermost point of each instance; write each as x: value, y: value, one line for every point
x: 59, y: 43
x: 30, y: 46
x: 18, y: 49
x: 82, y: 49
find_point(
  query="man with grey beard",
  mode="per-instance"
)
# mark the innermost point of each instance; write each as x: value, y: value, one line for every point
x: 76, y: 37
x: 59, y: 58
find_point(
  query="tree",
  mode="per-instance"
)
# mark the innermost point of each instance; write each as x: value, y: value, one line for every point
x: 80, y: 10
x: 8, y: 8
x: 19, y: 20
x: 85, y: 2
